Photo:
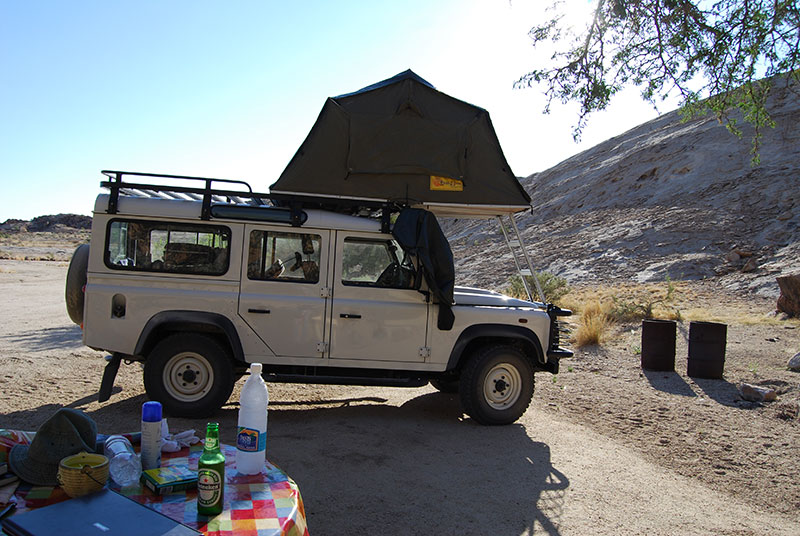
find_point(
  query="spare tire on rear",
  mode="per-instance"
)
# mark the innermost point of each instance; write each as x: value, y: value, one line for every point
x: 76, y: 281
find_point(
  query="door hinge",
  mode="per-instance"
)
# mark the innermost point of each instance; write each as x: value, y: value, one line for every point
x: 424, y: 352
x: 322, y: 347
x: 325, y: 292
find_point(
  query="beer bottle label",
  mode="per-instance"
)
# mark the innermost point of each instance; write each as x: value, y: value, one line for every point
x: 209, y: 487
x: 249, y: 440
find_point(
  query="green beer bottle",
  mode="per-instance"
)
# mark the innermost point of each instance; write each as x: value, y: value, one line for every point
x: 211, y: 474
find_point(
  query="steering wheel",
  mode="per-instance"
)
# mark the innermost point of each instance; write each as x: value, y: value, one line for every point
x: 298, y: 262
x: 388, y: 277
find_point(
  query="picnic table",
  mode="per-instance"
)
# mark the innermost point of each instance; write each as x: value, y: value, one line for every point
x: 266, y: 504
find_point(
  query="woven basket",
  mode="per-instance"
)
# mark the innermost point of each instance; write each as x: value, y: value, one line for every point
x: 83, y: 473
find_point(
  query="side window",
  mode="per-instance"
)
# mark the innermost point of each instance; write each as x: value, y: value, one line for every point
x: 376, y: 263
x: 168, y: 247
x: 280, y: 256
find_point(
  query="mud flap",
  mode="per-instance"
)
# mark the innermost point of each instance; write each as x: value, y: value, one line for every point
x: 108, y: 377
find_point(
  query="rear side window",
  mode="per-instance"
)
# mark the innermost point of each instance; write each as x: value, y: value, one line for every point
x: 168, y: 247
x: 280, y: 256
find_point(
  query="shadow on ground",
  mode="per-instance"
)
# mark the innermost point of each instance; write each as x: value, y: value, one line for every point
x: 368, y: 467
x: 721, y: 391
x: 669, y: 382
x: 57, y: 338
x: 415, y: 469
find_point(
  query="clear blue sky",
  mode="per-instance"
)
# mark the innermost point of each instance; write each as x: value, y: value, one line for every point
x: 230, y: 89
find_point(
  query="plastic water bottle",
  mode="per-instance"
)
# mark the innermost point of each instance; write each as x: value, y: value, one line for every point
x: 151, y: 435
x: 124, y: 464
x: 251, y: 439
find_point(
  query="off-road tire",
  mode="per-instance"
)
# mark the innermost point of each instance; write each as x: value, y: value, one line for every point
x: 496, y: 385
x: 190, y: 374
x: 76, y: 281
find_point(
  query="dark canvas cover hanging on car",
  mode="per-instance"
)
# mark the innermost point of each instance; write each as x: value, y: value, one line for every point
x: 402, y: 140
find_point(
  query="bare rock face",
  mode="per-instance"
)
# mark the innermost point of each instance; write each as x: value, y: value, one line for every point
x: 789, y: 300
x: 751, y: 265
x: 667, y: 198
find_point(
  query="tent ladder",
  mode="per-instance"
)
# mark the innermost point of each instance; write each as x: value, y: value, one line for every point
x: 517, y: 246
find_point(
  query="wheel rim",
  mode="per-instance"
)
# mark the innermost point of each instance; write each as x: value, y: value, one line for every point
x: 188, y: 376
x: 502, y: 386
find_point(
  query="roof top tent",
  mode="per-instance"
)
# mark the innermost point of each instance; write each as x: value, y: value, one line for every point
x: 404, y: 142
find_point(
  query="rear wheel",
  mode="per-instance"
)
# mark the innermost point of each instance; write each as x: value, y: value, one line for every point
x: 190, y: 374
x: 496, y: 385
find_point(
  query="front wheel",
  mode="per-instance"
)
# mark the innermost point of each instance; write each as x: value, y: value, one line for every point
x: 496, y: 385
x: 190, y: 374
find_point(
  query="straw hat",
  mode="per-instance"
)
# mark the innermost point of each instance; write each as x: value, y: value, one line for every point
x: 68, y: 431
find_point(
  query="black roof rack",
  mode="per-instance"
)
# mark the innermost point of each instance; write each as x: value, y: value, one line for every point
x: 238, y: 202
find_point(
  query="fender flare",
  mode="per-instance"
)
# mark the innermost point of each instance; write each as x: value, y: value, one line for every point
x: 529, y: 340
x: 188, y: 321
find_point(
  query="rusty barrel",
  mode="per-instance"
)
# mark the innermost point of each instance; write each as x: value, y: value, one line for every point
x: 658, y: 345
x: 707, y: 349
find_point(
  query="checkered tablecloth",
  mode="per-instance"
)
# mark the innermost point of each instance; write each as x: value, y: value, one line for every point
x: 255, y: 505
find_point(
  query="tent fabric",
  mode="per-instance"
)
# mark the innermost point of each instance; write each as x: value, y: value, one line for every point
x: 401, y: 140
x: 418, y: 232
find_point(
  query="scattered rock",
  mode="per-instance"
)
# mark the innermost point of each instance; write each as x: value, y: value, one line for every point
x: 743, y: 253
x: 783, y: 216
x: 754, y: 393
x: 750, y: 265
x: 732, y: 256
x: 794, y: 363
x: 789, y: 300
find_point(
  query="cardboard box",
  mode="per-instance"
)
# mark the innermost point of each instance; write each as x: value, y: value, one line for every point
x: 169, y: 479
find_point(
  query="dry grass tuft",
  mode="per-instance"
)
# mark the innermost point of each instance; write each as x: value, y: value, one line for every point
x: 594, y: 324
x: 598, y: 310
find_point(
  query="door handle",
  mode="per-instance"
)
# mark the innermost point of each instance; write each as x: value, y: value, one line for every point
x: 259, y: 311
x: 346, y: 315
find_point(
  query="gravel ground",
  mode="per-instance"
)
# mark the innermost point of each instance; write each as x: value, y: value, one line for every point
x: 603, y: 449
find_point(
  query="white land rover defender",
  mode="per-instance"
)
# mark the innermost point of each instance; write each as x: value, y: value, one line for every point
x: 197, y: 282
x: 340, y: 274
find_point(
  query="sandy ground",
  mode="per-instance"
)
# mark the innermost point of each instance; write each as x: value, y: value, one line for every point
x: 605, y: 449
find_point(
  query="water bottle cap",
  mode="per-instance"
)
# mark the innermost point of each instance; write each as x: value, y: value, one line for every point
x: 151, y: 412
x: 255, y: 369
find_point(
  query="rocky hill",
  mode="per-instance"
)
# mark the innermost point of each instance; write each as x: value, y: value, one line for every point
x: 53, y: 223
x: 667, y: 198
x: 46, y: 238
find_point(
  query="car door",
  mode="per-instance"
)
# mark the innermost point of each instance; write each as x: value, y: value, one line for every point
x: 284, y: 293
x: 377, y: 312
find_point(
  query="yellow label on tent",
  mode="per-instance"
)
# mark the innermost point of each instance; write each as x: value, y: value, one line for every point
x: 446, y: 184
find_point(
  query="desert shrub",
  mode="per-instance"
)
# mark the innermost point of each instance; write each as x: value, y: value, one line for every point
x: 643, y: 305
x: 553, y: 286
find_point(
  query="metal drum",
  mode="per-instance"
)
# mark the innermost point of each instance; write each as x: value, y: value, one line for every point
x: 658, y: 345
x: 707, y: 342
